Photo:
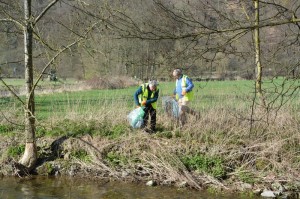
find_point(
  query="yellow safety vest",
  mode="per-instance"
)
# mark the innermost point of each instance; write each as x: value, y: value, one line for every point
x: 189, y: 95
x: 144, y: 95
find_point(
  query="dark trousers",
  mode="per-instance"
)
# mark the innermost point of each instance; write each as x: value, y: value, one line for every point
x: 150, y: 111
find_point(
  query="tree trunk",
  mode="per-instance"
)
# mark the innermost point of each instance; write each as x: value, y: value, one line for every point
x: 30, y: 155
x: 258, y: 83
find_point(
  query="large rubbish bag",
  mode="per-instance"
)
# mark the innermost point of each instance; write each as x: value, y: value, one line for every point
x: 135, y: 117
x: 170, y: 106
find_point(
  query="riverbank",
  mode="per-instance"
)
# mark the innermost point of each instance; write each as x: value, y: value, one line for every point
x: 156, y: 159
x: 235, y: 146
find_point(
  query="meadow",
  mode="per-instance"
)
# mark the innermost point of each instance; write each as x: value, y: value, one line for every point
x: 208, y: 95
x: 60, y: 104
x: 235, y: 140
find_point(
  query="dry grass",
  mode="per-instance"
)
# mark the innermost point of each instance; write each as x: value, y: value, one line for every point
x: 259, y: 148
x: 268, y: 148
x: 110, y: 82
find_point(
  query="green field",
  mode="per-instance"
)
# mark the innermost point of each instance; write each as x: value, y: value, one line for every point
x: 218, y: 94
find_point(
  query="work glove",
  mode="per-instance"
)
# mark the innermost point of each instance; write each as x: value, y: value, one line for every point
x: 183, y: 92
x: 143, y: 103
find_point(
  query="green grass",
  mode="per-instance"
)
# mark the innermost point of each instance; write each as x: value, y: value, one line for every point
x: 15, y: 151
x: 218, y: 94
x: 77, y: 129
x: 5, y: 128
x: 115, y: 159
x: 13, y: 82
x: 202, y: 163
x: 81, y: 155
x: 82, y: 101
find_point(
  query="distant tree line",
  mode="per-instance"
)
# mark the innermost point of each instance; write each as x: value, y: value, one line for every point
x: 148, y: 38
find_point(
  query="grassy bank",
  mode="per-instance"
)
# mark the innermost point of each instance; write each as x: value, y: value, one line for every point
x: 232, y: 143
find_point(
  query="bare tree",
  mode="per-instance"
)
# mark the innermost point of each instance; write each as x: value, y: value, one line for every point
x: 30, y: 155
x: 258, y: 84
x: 207, y: 33
x: 31, y: 34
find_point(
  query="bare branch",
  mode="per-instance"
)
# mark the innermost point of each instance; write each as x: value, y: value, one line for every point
x: 14, y: 94
x: 14, y: 21
x: 45, y: 11
x: 60, y: 52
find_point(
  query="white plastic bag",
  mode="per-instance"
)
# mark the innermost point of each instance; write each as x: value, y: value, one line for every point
x: 170, y: 106
x: 135, y: 117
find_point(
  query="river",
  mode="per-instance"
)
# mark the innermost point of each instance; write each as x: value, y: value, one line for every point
x: 78, y: 188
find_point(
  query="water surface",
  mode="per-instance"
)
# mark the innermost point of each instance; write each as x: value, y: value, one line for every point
x: 75, y: 188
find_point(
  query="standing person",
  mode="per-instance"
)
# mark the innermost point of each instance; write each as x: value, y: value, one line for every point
x: 146, y: 96
x: 184, y: 94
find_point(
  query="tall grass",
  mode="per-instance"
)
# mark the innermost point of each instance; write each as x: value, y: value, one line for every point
x: 231, y: 141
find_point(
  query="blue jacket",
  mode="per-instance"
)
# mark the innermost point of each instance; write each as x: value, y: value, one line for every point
x: 178, y: 89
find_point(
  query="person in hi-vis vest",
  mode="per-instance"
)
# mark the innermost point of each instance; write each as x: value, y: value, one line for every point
x: 146, y: 96
x: 184, y: 94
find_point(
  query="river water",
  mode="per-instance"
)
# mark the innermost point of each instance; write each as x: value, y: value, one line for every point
x: 75, y: 188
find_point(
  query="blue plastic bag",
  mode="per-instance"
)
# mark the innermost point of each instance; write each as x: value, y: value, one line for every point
x: 135, y: 117
x: 171, y: 106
